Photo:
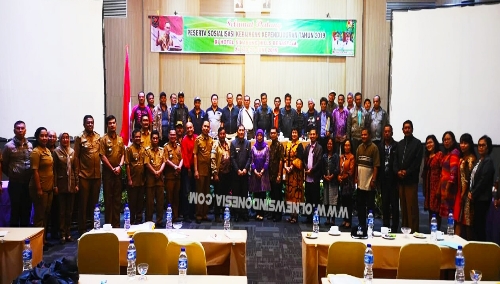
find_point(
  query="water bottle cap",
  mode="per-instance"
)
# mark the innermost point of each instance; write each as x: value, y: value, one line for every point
x: 27, y: 241
x: 451, y: 210
x: 131, y: 241
x: 459, y: 247
x: 126, y: 204
x: 433, y: 215
x: 168, y: 205
x: 370, y: 211
x: 97, y: 205
x: 183, y: 249
x: 368, y: 245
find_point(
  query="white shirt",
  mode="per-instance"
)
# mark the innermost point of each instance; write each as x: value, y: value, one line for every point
x: 244, y: 118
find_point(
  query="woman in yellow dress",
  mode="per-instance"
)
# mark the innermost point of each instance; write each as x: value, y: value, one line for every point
x: 294, y: 170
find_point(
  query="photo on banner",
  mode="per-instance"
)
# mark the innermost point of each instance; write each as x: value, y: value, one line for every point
x: 235, y: 35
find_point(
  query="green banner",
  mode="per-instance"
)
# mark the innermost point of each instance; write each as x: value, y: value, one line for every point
x: 253, y: 36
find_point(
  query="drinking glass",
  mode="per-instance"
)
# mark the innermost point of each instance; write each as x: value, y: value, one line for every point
x: 142, y: 269
x: 177, y: 225
x: 475, y: 275
x: 406, y: 231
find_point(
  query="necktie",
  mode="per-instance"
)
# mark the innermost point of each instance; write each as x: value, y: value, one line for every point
x: 359, y: 117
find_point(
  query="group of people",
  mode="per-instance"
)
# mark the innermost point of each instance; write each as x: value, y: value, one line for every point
x: 175, y: 151
x: 459, y: 181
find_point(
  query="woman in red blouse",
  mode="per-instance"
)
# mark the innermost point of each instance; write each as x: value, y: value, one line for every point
x: 431, y: 176
x: 449, y: 174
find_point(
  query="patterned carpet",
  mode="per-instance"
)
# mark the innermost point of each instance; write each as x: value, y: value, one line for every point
x: 274, y: 252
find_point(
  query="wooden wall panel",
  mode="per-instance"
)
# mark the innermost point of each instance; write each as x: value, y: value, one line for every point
x: 376, y: 52
x: 354, y: 65
x: 119, y: 32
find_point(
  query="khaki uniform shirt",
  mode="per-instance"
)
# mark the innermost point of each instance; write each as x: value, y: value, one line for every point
x: 174, y: 155
x: 113, y: 149
x: 203, y: 149
x: 146, y: 139
x: 135, y: 158
x: 65, y: 183
x: 87, y: 151
x: 155, y: 158
x: 41, y: 160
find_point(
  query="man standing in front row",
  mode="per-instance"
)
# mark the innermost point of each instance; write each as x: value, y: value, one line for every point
x: 155, y: 163
x: 367, y: 163
x: 135, y: 157
x: 16, y: 165
x: 112, y: 153
x: 407, y: 166
x: 240, y: 161
x: 88, y: 166
x: 202, y: 159
x: 312, y: 161
x: 388, y: 180
x: 276, y: 153
x: 187, y: 173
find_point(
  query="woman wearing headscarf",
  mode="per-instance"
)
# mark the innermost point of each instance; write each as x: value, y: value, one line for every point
x: 67, y: 184
x: 42, y: 181
x: 259, y: 178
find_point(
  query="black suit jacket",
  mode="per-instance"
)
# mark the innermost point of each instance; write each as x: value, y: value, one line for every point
x: 316, y: 168
x: 483, y: 180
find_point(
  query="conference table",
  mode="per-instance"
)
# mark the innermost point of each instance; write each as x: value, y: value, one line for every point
x: 325, y: 280
x: 225, y: 252
x: 385, y: 252
x: 11, y: 249
x: 153, y: 279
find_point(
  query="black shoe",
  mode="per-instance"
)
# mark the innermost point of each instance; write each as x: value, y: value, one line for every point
x: 187, y: 220
x: 198, y: 221
x: 236, y: 219
x: 245, y: 218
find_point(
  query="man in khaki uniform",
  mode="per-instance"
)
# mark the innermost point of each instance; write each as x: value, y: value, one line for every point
x: 173, y: 166
x: 145, y: 132
x: 202, y: 151
x: 155, y: 164
x: 88, y: 167
x: 112, y: 153
x: 135, y: 157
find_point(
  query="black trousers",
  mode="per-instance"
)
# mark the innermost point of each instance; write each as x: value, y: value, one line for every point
x: 20, y: 204
x: 390, y: 203
x: 481, y: 209
x: 54, y: 218
x: 187, y: 185
x: 240, y: 189
x: 312, y: 194
x: 346, y: 201
x: 222, y: 187
x: 365, y: 202
x: 277, y: 196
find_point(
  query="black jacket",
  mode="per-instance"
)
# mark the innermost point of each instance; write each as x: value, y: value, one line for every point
x: 263, y: 119
x: 240, y: 154
x: 409, y: 157
x: 317, y: 161
x: 483, y: 180
x: 387, y: 172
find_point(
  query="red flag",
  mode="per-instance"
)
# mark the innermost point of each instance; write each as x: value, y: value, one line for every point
x: 125, y: 132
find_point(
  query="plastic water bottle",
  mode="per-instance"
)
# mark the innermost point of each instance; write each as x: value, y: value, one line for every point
x: 131, y: 256
x: 126, y: 217
x: 168, y: 217
x: 227, y: 219
x: 459, y: 264
x: 434, y: 227
x: 27, y: 255
x: 370, y: 224
x: 97, y: 217
x: 451, y: 224
x: 183, y: 262
x: 316, y: 221
x: 368, y: 264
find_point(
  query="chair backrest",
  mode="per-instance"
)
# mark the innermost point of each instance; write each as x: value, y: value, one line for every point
x: 346, y: 258
x: 484, y: 256
x: 150, y: 248
x: 419, y: 261
x: 99, y: 253
x: 197, y: 264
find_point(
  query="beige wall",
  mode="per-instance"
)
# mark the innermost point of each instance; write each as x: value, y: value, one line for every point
x: 203, y: 75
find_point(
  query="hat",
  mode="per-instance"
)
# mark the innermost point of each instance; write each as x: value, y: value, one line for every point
x: 179, y: 123
x: 197, y: 99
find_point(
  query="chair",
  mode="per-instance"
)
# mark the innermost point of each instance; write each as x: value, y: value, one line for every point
x: 419, y: 261
x: 346, y: 258
x: 197, y: 264
x: 99, y: 253
x: 150, y: 248
x: 484, y: 256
